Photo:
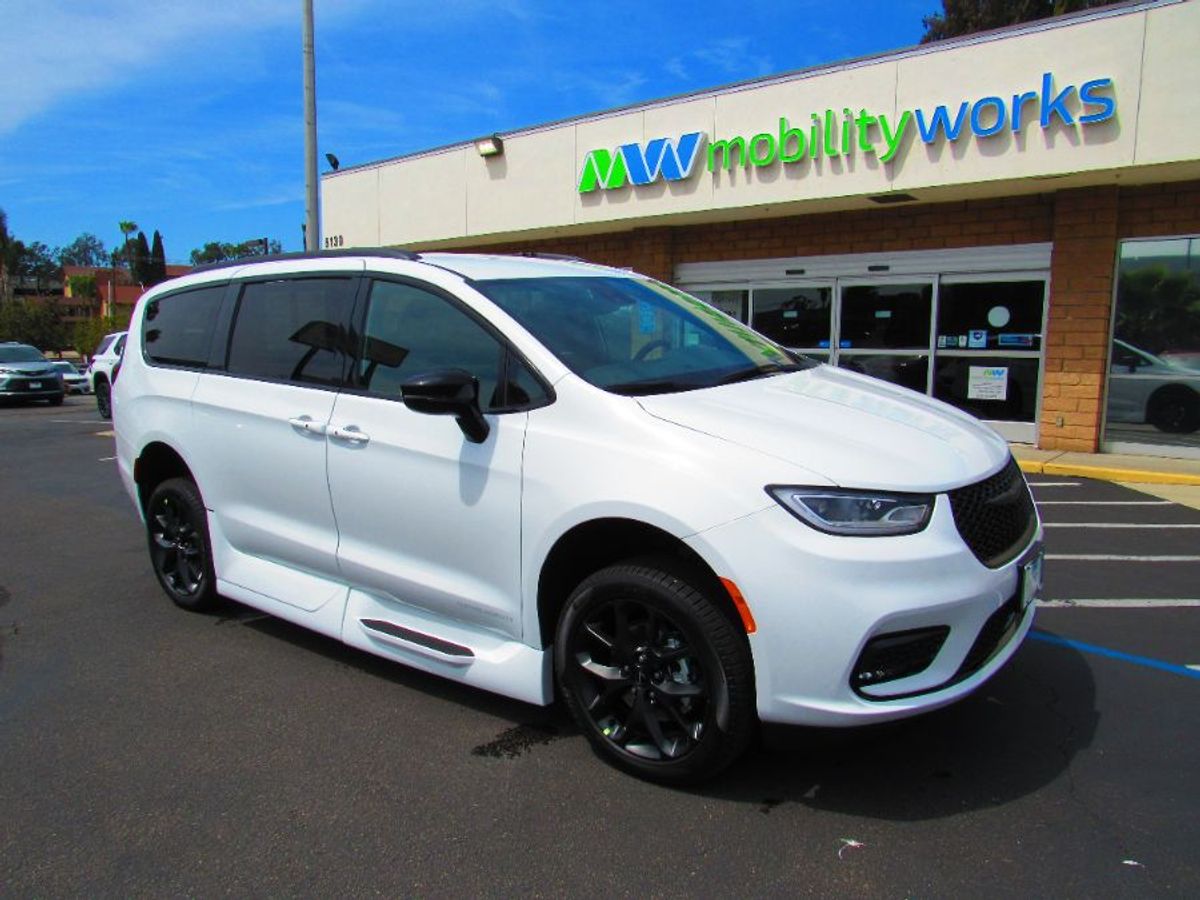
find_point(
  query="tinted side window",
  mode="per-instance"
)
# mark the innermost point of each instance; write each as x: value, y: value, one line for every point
x: 177, y: 329
x: 410, y: 331
x: 292, y: 330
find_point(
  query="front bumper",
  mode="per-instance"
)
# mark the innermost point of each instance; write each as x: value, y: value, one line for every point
x: 819, y: 599
x: 22, y: 387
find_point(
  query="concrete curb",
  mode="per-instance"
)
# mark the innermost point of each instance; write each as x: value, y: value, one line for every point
x: 1106, y: 473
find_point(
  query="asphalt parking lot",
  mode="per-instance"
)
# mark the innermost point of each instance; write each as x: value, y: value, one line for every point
x: 145, y: 750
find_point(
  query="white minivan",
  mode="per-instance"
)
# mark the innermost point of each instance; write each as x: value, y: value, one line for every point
x: 548, y: 478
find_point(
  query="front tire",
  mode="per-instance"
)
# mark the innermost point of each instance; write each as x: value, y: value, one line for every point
x: 655, y: 673
x: 103, y: 399
x: 180, y: 549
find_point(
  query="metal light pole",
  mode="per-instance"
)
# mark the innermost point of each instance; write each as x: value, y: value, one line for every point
x: 312, y: 230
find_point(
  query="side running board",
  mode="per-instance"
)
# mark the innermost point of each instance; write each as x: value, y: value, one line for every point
x: 441, y: 649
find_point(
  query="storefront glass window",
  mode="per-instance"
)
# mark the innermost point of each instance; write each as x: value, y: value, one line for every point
x: 995, y: 388
x: 910, y: 371
x: 795, y: 317
x: 886, y: 317
x: 1154, y: 373
x: 991, y: 316
x: 732, y: 303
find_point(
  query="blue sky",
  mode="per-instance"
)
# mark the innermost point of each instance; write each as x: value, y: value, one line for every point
x: 186, y: 116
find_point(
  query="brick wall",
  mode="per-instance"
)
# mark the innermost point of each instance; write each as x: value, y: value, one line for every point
x: 1084, y: 224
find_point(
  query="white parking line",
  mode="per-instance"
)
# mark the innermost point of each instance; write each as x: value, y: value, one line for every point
x: 1102, y: 557
x: 1120, y: 603
x: 1104, y: 503
x: 106, y: 459
x: 1116, y: 525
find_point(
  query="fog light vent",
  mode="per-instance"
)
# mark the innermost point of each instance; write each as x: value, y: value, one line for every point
x: 897, y: 654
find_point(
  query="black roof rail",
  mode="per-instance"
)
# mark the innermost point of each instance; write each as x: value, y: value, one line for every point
x: 389, y: 252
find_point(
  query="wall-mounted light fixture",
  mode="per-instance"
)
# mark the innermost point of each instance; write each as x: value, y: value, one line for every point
x: 490, y: 146
x: 333, y: 161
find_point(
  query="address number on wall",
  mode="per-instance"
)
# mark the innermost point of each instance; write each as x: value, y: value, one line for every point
x: 334, y: 240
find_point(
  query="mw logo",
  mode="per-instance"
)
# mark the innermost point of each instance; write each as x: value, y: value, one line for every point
x: 660, y: 158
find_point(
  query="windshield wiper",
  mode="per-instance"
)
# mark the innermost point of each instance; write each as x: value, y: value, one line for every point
x: 642, y: 388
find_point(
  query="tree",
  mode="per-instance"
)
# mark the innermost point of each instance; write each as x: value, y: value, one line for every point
x: 215, y: 251
x: 140, y: 265
x: 127, y: 228
x: 960, y: 17
x: 36, y: 322
x: 85, y: 250
x: 38, y: 263
x: 158, y: 261
x: 8, y: 258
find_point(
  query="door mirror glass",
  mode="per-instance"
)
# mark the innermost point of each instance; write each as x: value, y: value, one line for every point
x: 448, y: 392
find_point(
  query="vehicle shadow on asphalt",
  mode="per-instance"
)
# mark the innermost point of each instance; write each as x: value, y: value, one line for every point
x: 1019, y: 732
x: 1016, y: 734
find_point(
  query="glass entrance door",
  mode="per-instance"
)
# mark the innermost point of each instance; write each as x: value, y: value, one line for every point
x: 974, y: 341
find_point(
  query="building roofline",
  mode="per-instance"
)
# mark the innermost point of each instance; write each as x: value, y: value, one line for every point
x: 979, y: 37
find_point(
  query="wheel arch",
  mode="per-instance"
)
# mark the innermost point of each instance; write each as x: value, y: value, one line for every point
x: 592, y: 545
x: 157, y: 462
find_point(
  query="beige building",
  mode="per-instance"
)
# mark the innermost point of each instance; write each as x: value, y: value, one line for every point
x: 993, y: 220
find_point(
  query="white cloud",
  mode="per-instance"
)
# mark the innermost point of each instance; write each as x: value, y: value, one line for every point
x: 52, y: 49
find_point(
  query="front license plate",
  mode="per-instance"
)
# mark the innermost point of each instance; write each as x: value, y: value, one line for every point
x: 1031, y: 579
x: 35, y: 385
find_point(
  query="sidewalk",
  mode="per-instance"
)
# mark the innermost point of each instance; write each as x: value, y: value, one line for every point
x: 1108, y: 466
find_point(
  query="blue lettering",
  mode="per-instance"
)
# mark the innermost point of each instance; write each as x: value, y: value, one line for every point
x: 1019, y: 100
x: 1108, y: 106
x: 940, y: 121
x: 976, y: 115
x: 1057, y: 106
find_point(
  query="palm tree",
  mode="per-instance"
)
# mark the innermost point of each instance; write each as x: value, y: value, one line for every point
x: 127, y: 228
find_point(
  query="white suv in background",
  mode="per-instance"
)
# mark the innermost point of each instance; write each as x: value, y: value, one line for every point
x: 542, y: 477
x: 100, y: 370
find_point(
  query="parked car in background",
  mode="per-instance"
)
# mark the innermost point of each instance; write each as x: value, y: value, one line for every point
x: 100, y: 370
x: 1146, y: 388
x: 27, y: 375
x: 1189, y: 359
x: 74, y: 381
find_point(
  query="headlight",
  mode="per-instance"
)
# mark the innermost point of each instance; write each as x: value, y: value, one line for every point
x: 856, y: 513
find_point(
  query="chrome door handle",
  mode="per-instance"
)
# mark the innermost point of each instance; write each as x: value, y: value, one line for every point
x: 307, y: 423
x: 350, y: 433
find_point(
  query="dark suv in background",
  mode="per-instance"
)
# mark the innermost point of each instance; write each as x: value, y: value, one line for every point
x: 27, y: 375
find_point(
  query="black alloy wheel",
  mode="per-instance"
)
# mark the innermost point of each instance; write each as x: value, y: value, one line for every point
x: 103, y: 399
x: 1175, y: 410
x: 177, y: 530
x: 655, y: 674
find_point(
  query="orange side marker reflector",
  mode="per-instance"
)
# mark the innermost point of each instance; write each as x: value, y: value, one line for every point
x: 740, y: 603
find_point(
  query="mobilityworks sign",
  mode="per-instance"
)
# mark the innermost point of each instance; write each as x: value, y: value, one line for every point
x: 834, y: 134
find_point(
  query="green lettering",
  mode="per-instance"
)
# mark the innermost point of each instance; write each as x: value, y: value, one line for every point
x: 830, y: 149
x: 733, y: 153
x: 864, y: 123
x: 893, y: 139
x: 787, y: 134
x: 757, y: 141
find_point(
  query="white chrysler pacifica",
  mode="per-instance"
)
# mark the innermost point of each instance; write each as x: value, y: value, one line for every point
x: 539, y: 476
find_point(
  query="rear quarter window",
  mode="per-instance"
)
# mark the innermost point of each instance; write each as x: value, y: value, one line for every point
x: 177, y: 329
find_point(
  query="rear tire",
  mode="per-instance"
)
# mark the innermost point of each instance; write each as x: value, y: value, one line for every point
x: 1174, y: 409
x: 180, y: 549
x: 103, y: 399
x: 655, y: 673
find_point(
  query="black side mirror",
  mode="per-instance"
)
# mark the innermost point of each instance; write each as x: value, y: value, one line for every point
x: 448, y: 392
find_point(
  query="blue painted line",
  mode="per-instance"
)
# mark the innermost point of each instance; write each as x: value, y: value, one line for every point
x: 1114, y: 654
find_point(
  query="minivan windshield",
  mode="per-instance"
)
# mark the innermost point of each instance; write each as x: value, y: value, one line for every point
x: 20, y: 353
x: 634, y: 336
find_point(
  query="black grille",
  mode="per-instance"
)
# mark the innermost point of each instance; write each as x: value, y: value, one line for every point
x: 996, y: 516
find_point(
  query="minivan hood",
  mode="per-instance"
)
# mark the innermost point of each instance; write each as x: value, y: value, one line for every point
x: 856, y: 431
